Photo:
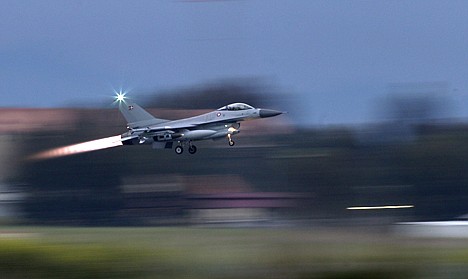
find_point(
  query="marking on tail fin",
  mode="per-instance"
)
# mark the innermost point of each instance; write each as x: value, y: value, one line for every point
x: 136, y: 116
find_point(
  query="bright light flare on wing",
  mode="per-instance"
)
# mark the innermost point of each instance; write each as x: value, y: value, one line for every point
x: 78, y: 148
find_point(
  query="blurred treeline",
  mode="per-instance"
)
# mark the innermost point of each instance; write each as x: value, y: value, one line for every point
x: 217, y: 94
x: 337, y: 167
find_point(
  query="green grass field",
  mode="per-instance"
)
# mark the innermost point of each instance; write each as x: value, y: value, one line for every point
x: 187, y: 252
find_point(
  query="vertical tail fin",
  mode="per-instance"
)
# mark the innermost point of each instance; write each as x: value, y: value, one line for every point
x: 136, y: 116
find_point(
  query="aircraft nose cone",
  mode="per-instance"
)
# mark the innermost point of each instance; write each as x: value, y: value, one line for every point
x: 269, y: 113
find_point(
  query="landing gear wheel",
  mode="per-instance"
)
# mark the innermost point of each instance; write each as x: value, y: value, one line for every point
x: 231, y: 142
x: 192, y: 149
x: 179, y: 149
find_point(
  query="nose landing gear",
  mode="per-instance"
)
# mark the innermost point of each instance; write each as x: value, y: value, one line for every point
x: 231, y: 142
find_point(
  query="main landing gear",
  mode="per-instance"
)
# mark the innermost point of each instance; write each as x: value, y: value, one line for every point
x: 192, y: 149
x: 179, y: 149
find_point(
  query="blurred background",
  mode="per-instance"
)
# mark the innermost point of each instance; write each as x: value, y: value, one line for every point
x: 372, y: 150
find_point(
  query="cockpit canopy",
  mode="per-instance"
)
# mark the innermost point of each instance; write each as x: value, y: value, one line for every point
x: 236, y: 106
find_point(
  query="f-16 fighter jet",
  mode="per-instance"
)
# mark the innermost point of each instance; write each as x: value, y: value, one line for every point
x: 143, y: 128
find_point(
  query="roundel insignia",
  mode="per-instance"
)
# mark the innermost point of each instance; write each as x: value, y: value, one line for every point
x: 218, y: 114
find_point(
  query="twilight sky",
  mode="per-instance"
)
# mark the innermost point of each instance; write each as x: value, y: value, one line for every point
x: 339, y: 58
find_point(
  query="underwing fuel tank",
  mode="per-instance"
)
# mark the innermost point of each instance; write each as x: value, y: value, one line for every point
x: 196, y: 134
x: 224, y: 133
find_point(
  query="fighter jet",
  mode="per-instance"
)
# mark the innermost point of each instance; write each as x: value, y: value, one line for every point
x: 144, y: 128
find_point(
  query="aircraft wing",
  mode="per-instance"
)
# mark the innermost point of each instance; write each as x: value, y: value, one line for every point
x: 176, y: 125
x: 164, y: 128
